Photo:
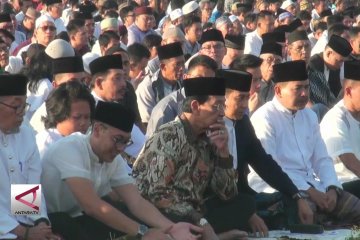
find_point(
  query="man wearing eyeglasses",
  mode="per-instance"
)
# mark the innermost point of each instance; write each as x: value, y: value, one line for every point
x: 19, y: 162
x: 188, y: 156
x: 299, y: 46
x: 81, y: 169
x: 270, y: 54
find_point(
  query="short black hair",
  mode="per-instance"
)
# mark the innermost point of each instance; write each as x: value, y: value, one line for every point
x: 125, y: 11
x: 353, y: 32
x: 111, y: 14
x: 74, y: 25
x: 263, y: 14
x: 190, y: 20
x: 58, y: 104
x: 152, y: 40
x: 110, y: 4
x: 250, y: 18
x: 334, y: 19
x: 337, y: 29
x: 105, y: 37
x: 320, y: 26
x: 245, y: 61
x: 137, y: 52
x: 304, y: 15
x: 203, y: 60
x: 186, y: 105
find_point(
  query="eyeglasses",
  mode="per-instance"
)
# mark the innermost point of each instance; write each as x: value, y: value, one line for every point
x: 300, y: 48
x: 215, y: 47
x: 50, y: 28
x: 218, y: 107
x: 271, y: 60
x: 18, y: 109
x: 119, y: 141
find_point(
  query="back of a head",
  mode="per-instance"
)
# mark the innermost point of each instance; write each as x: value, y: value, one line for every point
x: 245, y: 61
x: 202, y: 60
x: 137, y: 52
x: 263, y: 14
x: 189, y: 20
x: 107, y: 36
x: 354, y: 32
x: 337, y: 29
x: 152, y: 40
x: 320, y: 26
x: 177, y: 4
x: 334, y: 19
x: 74, y: 25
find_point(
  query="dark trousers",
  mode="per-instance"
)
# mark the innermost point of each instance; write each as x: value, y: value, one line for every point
x: 86, y: 227
x: 352, y: 187
x: 224, y: 215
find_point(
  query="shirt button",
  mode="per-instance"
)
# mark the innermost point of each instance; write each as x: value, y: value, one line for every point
x: 10, y: 157
x: 12, y: 169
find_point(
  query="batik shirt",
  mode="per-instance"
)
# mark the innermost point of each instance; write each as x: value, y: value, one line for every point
x: 175, y: 168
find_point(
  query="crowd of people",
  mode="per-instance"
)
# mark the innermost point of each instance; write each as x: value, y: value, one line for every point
x: 177, y: 119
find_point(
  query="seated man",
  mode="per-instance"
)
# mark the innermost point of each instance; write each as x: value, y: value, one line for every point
x: 165, y: 81
x: 289, y: 132
x: 170, y: 106
x: 80, y: 169
x: 341, y: 133
x: 19, y: 162
x: 246, y: 149
x: 190, y: 155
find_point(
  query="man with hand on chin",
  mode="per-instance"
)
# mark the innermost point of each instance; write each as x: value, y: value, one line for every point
x: 188, y: 156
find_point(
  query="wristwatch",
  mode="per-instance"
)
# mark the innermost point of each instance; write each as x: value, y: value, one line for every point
x: 297, y: 196
x: 337, y: 189
x: 203, y: 222
x: 141, y: 231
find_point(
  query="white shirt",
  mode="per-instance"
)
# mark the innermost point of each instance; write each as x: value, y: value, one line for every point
x: 253, y: 43
x: 45, y: 138
x: 70, y: 157
x: 15, y: 65
x: 36, y: 123
x: 320, y: 44
x: 232, y: 140
x: 19, y: 164
x: 295, y: 143
x: 39, y: 97
x: 341, y: 134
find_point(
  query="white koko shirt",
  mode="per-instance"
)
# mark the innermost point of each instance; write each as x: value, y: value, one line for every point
x: 341, y: 134
x: 295, y: 143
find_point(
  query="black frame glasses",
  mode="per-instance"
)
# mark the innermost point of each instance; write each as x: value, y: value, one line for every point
x: 18, y: 109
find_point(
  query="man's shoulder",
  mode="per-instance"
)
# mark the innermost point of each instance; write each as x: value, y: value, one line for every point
x: 335, y: 114
x: 67, y: 145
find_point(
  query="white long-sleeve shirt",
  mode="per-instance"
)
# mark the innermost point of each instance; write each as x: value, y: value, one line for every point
x: 253, y: 43
x: 295, y: 143
x: 19, y: 164
x: 341, y: 134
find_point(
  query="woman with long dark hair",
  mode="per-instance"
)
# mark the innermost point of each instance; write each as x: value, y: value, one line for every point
x: 38, y: 71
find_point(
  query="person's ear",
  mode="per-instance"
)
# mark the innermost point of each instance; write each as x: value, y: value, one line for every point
x: 98, y: 82
x: 277, y: 90
x: 195, y: 106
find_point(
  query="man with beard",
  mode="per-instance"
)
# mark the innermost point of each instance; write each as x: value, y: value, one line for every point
x: 19, y: 162
x: 290, y: 133
x: 166, y: 80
